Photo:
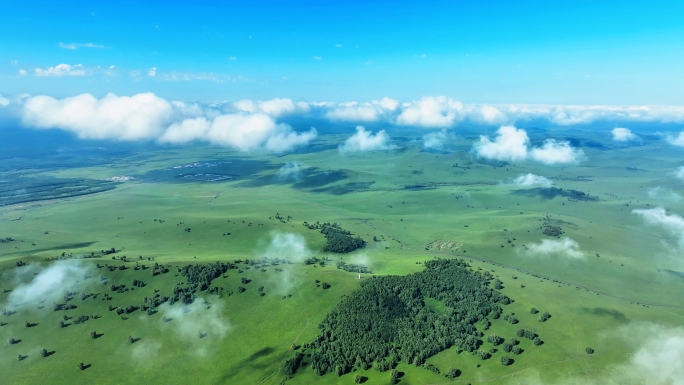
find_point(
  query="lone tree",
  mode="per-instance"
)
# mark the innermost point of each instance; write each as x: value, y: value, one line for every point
x: 589, y: 350
x: 452, y: 373
x: 505, y: 360
x: 359, y: 379
x: 93, y: 334
x: 43, y: 352
x: 534, y: 311
x: 81, y: 366
x: 537, y: 341
x: 544, y: 317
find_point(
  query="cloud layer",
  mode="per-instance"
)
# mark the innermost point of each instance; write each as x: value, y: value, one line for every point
x: 147, y: 116
x: 512, y: 144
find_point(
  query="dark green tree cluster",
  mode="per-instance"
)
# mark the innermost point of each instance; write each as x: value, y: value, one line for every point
x: 200, y: 276
x: 338, y: 239
x: 353, y: 268
x: 387, y: 318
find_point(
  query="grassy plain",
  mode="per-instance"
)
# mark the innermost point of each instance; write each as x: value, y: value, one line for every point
x: 411, y: 200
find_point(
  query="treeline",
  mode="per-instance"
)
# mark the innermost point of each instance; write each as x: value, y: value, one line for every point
x: 338, y: 239
x: 386, y: 320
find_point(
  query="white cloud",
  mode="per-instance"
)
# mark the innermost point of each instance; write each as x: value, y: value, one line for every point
x: 275, y: 107
x: 290, y: 170
x: 679, y: 174
x: 74, y: 46
x: 673, y: 224
x: 188, y: 321
x: 430, y: 112
x: 365, y: 141
x: 61, y: 70
x: 146, y: 116
x: 22, y: 72
x: 363, y: 112
x: 565, y: 247
x: 245, y: 132
x: 288, y: 246
x: 660, y: 359
x: 141, y: 116
x: 510, y: 144
x: 664, y: 194
x: 152, y: 72
x: 48, y: 283
x: 530, y: 180
x: 338, y: 45
x: 676, y: 140
x: 435, y: 140
x: 555, y: 152
x: 4, y: 102
x: 317, y: 58
x: 621, y: 134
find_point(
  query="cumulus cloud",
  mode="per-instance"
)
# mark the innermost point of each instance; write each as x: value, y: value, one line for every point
x: 152, y: 72
x: 201, y: 316
x: 511, y: 144
x: 621, y: 134
x: 556, y: 152
x: 245, y: 132
x: 531, y: 180
x: 435, y: 140
x: 4, y: 102
x: 565, y: 248
x: 61, y: 70
x: 140, y: 116
x: 147, y: 116
x: 662, y: 193
x: 673, y: 223
x: 36, y: 283
x: 430, y: 112
x: 365, y: 141
x: 676, y: 140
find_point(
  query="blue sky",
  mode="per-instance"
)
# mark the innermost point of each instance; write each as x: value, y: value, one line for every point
x: 579, y: 52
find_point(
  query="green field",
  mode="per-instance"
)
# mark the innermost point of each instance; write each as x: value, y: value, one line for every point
x: 418, y: 205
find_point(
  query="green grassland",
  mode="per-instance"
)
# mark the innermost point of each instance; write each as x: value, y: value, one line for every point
x: 419, y: 205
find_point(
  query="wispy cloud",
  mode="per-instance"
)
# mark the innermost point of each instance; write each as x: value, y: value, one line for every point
x: 74, y: 46
x: 62, y: 70
x: 563, y: 248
